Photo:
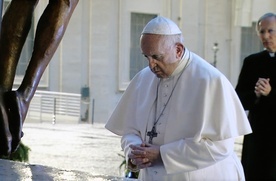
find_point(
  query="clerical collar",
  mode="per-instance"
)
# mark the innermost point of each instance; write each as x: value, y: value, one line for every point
x: 272, y: 54
x: 183, y: 63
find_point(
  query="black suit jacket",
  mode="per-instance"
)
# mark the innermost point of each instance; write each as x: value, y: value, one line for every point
x: 259, y: 148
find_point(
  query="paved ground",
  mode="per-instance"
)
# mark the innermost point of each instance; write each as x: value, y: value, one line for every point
x: 70, y: 152
x: 18, y: 171
x: 83, y: 147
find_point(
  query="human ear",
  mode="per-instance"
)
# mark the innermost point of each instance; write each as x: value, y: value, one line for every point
x: 179, y: 50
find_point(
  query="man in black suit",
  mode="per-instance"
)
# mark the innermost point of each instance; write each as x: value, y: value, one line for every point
x: 256, y: 89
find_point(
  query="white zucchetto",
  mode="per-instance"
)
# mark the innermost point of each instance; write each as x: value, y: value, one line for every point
x: 162, y: 26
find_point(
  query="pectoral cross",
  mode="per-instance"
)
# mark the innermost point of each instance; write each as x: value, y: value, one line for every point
x: 152, y: 134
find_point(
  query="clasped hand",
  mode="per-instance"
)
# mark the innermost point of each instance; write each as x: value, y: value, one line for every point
x: 143, y: 156
x: 262, y: 87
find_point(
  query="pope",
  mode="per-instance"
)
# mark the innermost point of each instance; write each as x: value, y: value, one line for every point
x: 179, y: 116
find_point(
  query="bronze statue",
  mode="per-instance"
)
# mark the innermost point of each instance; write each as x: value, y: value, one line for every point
x: 15, y: 26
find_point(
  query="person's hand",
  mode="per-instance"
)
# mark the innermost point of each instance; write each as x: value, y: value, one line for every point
x: 144, y: 155
x: 152, y: 152
x: 262, y: 87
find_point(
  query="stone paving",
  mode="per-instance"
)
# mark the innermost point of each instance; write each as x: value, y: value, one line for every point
x: 83, y: 147
x: 16, y: 171
x: 70, y: 152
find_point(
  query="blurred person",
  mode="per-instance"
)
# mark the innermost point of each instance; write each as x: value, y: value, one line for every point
x: 256, y: 90
x: 179, y: 116
x: 15, y: 26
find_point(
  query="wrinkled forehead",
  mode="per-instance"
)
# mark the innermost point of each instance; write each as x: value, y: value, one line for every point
x: 152, y: 43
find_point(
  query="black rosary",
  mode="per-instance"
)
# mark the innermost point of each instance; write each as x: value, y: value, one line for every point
x: 152, y: 134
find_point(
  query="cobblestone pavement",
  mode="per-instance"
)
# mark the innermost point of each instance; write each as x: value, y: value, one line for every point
x: 82, y: 147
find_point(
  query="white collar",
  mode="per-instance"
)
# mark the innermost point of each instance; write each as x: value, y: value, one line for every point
x: 272, y: 54
x: 183, y: 63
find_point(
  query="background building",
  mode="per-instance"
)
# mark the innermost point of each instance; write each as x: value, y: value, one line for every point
x: 100, y: 49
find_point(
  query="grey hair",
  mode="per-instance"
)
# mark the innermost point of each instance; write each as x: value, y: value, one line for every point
x: 267, y: 15
x: 173, y: 39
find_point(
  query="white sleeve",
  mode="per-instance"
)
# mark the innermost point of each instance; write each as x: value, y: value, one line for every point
x: 127, y: 140
x: 188, y: 155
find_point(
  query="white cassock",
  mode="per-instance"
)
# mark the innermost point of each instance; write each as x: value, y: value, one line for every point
x: 196, y: 130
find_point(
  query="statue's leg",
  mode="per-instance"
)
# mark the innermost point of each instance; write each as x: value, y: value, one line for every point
x: 14, y: 30
x: 15, y: 26
x: 50, y: 30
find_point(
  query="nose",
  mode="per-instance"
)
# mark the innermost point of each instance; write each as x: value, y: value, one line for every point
x: 152, y: 62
